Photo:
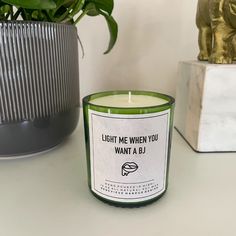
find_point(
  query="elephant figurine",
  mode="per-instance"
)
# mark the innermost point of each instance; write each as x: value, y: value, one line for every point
x: 216, y: 21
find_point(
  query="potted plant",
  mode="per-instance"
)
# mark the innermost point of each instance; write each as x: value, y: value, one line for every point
x: 39, y: 87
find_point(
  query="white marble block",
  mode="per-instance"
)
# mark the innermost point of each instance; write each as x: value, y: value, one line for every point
x: 206, y: 106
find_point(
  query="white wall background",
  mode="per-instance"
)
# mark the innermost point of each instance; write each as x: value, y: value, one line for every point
x: 153, y: 36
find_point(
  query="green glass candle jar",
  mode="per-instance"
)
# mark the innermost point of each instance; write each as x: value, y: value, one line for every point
x: 128, y: 140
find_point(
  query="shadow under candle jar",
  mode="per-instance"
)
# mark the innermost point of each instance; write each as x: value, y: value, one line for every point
x: 128, y: 141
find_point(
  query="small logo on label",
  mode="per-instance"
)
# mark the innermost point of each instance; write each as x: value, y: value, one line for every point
x: 128, y: 167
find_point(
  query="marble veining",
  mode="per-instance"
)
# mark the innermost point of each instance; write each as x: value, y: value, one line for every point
x: 205, y: 106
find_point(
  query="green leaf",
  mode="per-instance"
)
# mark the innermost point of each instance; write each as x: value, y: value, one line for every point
x: 113, y: 29
x: 104, y: 5
x: 72, y: 11
x: 5, y: 9
x: 35, y: 15
x: 91, y: 9
x: 2, y: 3
x: 32, y: 4
x: 65, y: 3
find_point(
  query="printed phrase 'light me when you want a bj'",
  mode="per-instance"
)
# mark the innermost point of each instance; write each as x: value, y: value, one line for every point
x: 136, y: 144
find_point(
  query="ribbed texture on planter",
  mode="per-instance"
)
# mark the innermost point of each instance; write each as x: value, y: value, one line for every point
x: 38, y: 70
x: 39, y: 85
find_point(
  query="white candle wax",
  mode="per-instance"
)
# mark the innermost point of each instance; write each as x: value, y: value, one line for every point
x: 128, y: 100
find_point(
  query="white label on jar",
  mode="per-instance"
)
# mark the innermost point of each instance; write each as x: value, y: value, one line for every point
x: 128, y: 155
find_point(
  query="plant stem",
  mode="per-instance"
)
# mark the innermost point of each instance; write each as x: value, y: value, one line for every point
x: 6, y: 17
x: 48, y: 15
x: 64, y: 15
x: 11, y: 13
x: 77, y: 8
x: 24, y: 14
x: 18, y: 12
x: 81, y: 45
x: 80, y: 17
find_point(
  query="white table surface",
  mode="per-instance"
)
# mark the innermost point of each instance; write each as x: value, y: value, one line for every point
x: 47, y: 195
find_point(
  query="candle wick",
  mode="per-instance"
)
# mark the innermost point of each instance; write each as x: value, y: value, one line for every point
x: 129, y: 97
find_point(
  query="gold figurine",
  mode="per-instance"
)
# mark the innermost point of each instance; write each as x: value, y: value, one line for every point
x: 216, y: 21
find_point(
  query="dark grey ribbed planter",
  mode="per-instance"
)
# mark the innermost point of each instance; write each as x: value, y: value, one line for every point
x: 39, y: 85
